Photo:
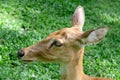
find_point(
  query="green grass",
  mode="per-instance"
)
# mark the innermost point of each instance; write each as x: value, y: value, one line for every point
x: 25, y: 22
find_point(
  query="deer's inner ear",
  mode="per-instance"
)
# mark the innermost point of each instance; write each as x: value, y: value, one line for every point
x: 55, y: 42
x: 94, y: 36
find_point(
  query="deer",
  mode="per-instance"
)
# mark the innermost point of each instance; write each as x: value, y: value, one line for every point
x: 66, y: 47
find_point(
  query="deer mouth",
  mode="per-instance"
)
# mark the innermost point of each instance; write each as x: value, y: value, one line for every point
x: 27, y: 61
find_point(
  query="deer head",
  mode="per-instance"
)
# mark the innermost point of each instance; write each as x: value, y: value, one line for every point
x: 63, y: 45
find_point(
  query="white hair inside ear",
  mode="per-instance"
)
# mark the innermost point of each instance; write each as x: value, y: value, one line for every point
x: 95, y: 36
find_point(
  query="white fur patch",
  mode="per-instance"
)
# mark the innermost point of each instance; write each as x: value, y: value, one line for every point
x: 63, y: 68
x: 81, y: 45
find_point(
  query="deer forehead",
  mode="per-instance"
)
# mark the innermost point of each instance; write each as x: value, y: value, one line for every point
x: 66, y: 33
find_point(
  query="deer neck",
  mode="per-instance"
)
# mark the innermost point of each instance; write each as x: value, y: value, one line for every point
x: 74, y: 69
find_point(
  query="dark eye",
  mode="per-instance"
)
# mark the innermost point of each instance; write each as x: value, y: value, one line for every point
x: 55, y: 42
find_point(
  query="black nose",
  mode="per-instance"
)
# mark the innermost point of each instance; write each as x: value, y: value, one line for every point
x: 20, y: 53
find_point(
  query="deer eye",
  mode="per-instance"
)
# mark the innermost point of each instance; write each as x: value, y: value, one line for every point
x: 55, y: 42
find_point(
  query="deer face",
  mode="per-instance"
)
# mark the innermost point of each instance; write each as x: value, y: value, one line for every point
x: 58, y: 46
x: 62, y: 45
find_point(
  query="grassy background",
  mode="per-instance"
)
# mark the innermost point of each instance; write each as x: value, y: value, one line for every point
x: 24, y: 22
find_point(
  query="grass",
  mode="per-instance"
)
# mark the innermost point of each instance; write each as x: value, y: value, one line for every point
x: 25, y: 22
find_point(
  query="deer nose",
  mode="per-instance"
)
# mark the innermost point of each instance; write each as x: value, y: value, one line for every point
x: 20, y: 53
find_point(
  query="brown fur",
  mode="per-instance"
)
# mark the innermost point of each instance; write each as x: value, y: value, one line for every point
x: 70, y: 53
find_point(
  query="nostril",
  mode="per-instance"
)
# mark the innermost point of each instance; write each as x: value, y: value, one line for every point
x: 20, y: 53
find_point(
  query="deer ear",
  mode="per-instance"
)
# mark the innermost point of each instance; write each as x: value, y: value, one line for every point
x: 78, y: 18
x: 94, y: 36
